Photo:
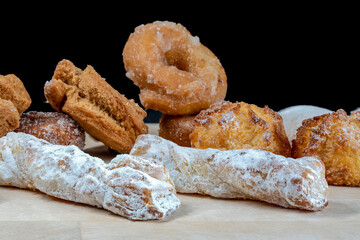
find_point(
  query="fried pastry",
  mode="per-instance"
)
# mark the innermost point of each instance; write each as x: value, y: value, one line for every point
x: 294, y: 115
x: 9, y: 117
x: 130, y: 186
x: 177, y: 128
x: 241, y: 173
x: 334, y: 139
x: 227, y: 126
x: 54, y: 127
x: 13, y: 90
x: 102, y: 111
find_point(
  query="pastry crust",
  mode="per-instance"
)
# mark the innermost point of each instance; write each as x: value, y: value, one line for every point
x: 102, y: 111
x: 294, y: 115
x: 334, y: 139
x: 9, y: 117
x: 14, y: 100
x: 54, y: 127
x: 239, y: 125
x: 177, y: 128
x: 133, y: 187
x: 13, y: 90
x: 241, y: 173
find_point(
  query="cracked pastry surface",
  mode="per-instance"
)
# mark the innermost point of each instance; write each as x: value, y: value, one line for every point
x: 239, y: 125
x: 13, y: 90
x: 333, y: 138
x: 14, y: 100
x: 9, y: 117
x: 130, y: 186
x: 102, y: 111
x: 54, y: 127
x: 241, y: 173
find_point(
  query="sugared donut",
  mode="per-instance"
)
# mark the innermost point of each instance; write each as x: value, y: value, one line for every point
x: 56, y: 128
x: 176, y: 74
x: 177, y: 128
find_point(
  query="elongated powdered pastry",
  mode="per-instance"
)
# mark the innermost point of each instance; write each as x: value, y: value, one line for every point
x: 133, y: 187
x: 242, y: 173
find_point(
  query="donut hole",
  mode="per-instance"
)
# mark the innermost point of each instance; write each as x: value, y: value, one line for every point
x: 177, y: 59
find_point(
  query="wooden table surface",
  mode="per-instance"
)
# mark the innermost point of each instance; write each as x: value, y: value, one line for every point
x: 26, y: 214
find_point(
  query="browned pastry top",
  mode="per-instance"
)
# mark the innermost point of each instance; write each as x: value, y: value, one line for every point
x: 9, y: 117
x: 334, y: 139
x: 101, y: 110
x: 12, y: 89
x: 227, y: 125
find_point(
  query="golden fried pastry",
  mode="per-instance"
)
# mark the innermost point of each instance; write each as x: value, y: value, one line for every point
x: 9, y: 117
x: 227, y: 125
x: 13, y: 90
x: 334, y: 139
x: 294, y: 115
x: 177, y: 128
x: 176, y: 74
x: 240, y: 173
x: 54, y: 127
x: 102, y: 111
x: 130, y: 186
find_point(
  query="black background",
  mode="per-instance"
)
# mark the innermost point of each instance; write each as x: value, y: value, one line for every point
x: 272, y: 56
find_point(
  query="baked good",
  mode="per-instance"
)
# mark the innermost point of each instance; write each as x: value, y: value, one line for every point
x: 13, y: 90
x: 54, y: 127
x: 9, y: 117
x: 102, y: 111
x: 241, y: 173
x: 177, y: 128
x: 226, y: 125
x: 133, y: 187
x: 176, y: 74
x: 14, y: 100
x: 294, y: 115
x: 334, y: 139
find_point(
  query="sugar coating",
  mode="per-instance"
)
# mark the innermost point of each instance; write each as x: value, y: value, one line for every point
x: 54, y: 127
x: 130, y: 186
x: 242, y: 173
x: 176, y: 74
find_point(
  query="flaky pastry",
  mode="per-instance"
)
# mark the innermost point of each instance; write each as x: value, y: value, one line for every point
x: 9, y: 117
x: 102, y: 111
x: 130, y: 186
x: 334, y: 139
x: 294, y: 115
x: 13, y: 90
x: 242, y: 173
x: 239, y: 125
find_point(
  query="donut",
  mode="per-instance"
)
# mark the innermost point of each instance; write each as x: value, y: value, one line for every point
x: 334, y: 139
x: 226, y: 126
x: 176, y: 74
x: 56, y: 128
x: 177, y: 128
x: 101, y: 110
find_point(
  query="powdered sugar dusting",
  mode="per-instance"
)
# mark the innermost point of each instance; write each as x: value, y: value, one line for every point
x: 130, y: 186
x: 241, y: 173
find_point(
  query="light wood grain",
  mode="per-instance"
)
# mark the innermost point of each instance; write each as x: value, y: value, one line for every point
x: 26, y: 214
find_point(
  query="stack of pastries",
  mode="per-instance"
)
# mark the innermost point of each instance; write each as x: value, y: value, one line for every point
x: 206, y: 145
